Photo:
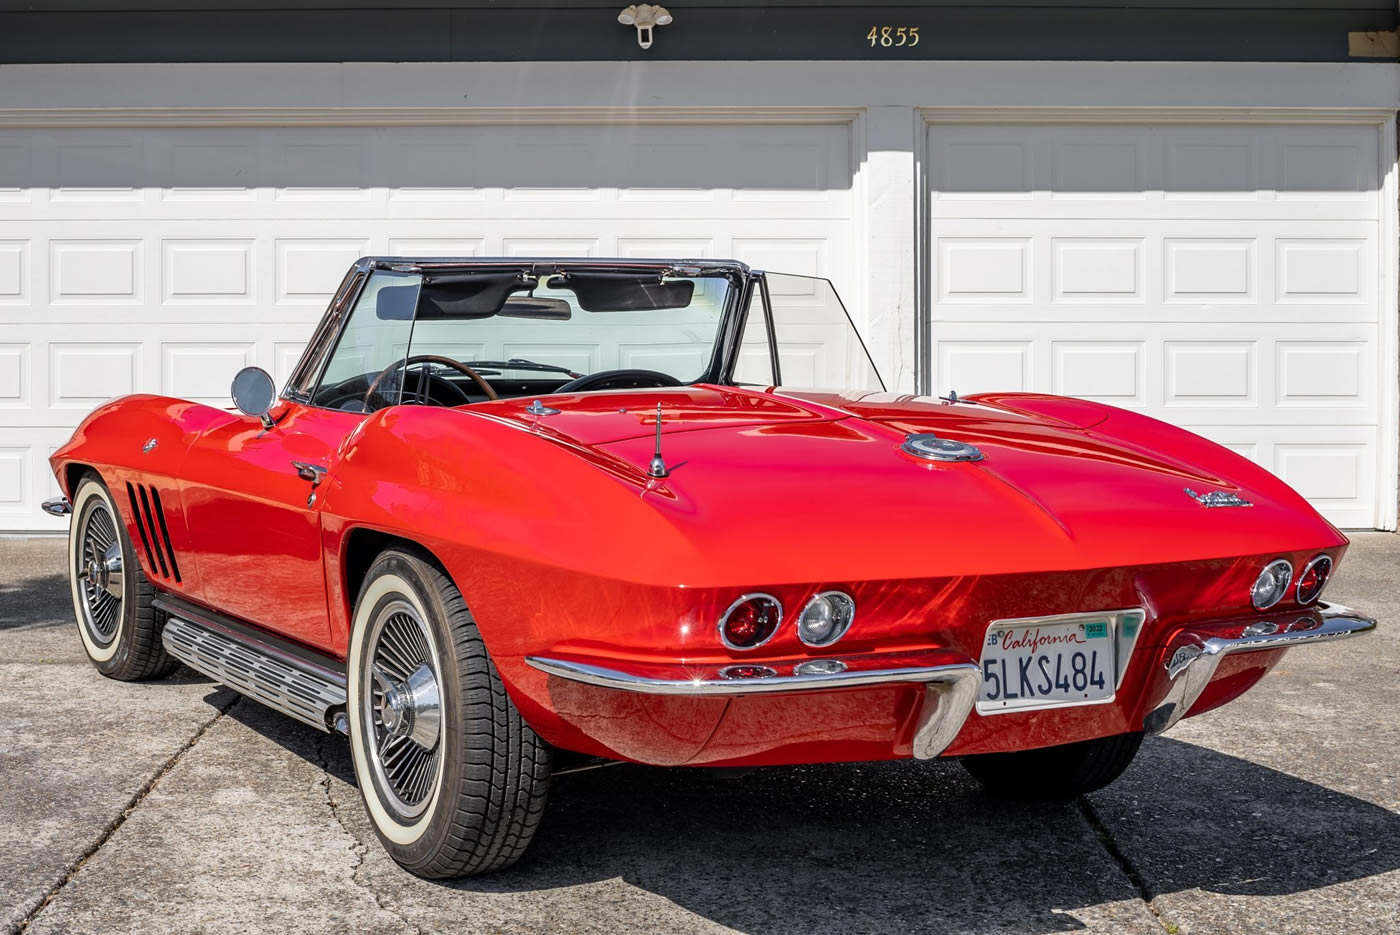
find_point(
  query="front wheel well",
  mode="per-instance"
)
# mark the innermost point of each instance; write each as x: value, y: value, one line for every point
x: 73, y: 473
x: 363, y: 546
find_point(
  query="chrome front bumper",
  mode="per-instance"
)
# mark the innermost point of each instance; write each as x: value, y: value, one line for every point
x: 951, y: 684
x: 56, y: 506
x: 1193, y: 656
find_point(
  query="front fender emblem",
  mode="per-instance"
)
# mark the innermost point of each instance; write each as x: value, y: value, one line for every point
x: 1217, y: 498
x: 150, y: 446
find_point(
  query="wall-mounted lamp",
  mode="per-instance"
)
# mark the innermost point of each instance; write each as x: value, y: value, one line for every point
x: 644, y: 16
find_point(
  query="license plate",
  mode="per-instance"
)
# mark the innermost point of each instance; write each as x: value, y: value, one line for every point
x: 1056, y: 661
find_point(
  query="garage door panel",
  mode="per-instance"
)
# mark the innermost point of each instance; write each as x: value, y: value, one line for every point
x: 1098, y: 270
x: 1225, y: 279
x: 1321, y: 374
x: 1164, y: 271
x: 1283, y: 170
x: 437, y: 246
x: 1107, y: 371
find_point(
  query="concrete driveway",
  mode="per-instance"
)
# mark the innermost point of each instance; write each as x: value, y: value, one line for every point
x: 175, y: 807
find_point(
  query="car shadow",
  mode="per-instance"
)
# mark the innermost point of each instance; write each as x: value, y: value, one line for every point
x: 853, y: 846
x: 36, y: 602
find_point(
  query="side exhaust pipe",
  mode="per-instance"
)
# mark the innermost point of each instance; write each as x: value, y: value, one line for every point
x: 279, y: 680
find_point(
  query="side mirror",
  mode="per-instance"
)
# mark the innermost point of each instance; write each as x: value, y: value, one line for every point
x: 254, y: 393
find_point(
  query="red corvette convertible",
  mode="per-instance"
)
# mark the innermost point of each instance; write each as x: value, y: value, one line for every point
x: 510, y: 516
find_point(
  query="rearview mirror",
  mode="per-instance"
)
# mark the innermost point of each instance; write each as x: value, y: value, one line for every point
x: 254, y: 393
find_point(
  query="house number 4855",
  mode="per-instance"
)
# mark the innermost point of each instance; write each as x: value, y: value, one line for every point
x: 893, y: 36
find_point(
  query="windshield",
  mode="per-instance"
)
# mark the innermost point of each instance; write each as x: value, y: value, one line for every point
x: 427, y: 337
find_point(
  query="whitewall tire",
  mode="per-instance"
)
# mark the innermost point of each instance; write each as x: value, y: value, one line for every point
x: 453, y: 779
x: 112, y: 598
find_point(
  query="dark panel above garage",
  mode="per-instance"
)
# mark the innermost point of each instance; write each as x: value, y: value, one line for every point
x: 586, y: 30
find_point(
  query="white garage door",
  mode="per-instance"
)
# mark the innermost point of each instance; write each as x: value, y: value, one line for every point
x: 164, y: 260
x: 1222, y: 278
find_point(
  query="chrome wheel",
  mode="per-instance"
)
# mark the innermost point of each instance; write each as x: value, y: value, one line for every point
x: 100, y: 574
x: 403, y: 707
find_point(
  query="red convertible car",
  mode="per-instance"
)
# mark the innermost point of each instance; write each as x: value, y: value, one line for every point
x: 510, y: 516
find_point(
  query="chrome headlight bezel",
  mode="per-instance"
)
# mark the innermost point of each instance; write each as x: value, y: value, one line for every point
x: 843, y: 614
x: 1279, y: 573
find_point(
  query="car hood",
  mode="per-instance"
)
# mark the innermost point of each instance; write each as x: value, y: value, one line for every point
x: 1056, y: 488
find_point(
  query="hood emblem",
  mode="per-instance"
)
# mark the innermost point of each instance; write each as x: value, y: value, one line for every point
x: 150, y: 446
x: 930, y: 447
x: 1217, y: 498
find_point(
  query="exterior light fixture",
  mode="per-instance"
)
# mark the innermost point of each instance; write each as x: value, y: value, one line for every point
x: 644, y: 16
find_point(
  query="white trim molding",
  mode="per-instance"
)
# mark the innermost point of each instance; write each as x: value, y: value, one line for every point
x: 1388, y: 512
x: 1290, y: 116
x: 199, y: 117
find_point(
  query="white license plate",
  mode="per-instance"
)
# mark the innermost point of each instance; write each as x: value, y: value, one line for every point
x: 1055, y: 662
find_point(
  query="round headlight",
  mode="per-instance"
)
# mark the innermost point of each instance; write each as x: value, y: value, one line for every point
x: 750, y: 621
x: 1313, y: 579
x: 826, y: 618
x: 1272, y: 584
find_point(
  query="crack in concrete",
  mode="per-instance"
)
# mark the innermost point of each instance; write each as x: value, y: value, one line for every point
x: 1135, y: 877
x: 132, y: 804
x: 359, y: 848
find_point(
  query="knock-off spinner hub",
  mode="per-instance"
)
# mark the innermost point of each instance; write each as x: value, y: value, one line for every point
x: 105, y: 573
x: 411, y: 708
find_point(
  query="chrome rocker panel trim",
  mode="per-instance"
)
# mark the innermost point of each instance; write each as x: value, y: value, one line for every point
x: 950, y: 692
x: 278, y: 679
x: 1192, y: 659
x: 57, y: 506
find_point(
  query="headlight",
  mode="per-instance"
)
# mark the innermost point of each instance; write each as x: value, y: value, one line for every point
x: 1313, y: 579
x: 826, y: 618
x: 1272, y: 584
x: 750, y: 621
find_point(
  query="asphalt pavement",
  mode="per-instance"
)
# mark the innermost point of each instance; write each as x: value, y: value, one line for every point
x: 176, y: 807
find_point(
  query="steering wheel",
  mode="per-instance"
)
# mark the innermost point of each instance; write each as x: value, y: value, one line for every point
x: 434, y: 359
x: 604, y: 378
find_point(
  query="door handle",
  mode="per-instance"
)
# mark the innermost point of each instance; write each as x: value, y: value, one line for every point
x: 312, y: 472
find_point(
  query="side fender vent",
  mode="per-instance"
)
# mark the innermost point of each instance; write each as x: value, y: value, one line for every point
x: 149, y: 514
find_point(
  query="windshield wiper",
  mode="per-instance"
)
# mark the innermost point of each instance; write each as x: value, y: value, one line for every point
x: 519, y: 363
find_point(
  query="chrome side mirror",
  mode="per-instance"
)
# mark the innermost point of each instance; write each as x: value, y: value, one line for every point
x: 254, y: 393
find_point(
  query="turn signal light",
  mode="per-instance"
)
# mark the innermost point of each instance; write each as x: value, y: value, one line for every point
x: 1313, y: 579
x: 747, y: 672
x: 750, y: 621
x: 1272, y: 584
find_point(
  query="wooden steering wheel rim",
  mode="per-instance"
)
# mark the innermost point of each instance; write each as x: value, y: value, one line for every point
x: 433, y: 359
